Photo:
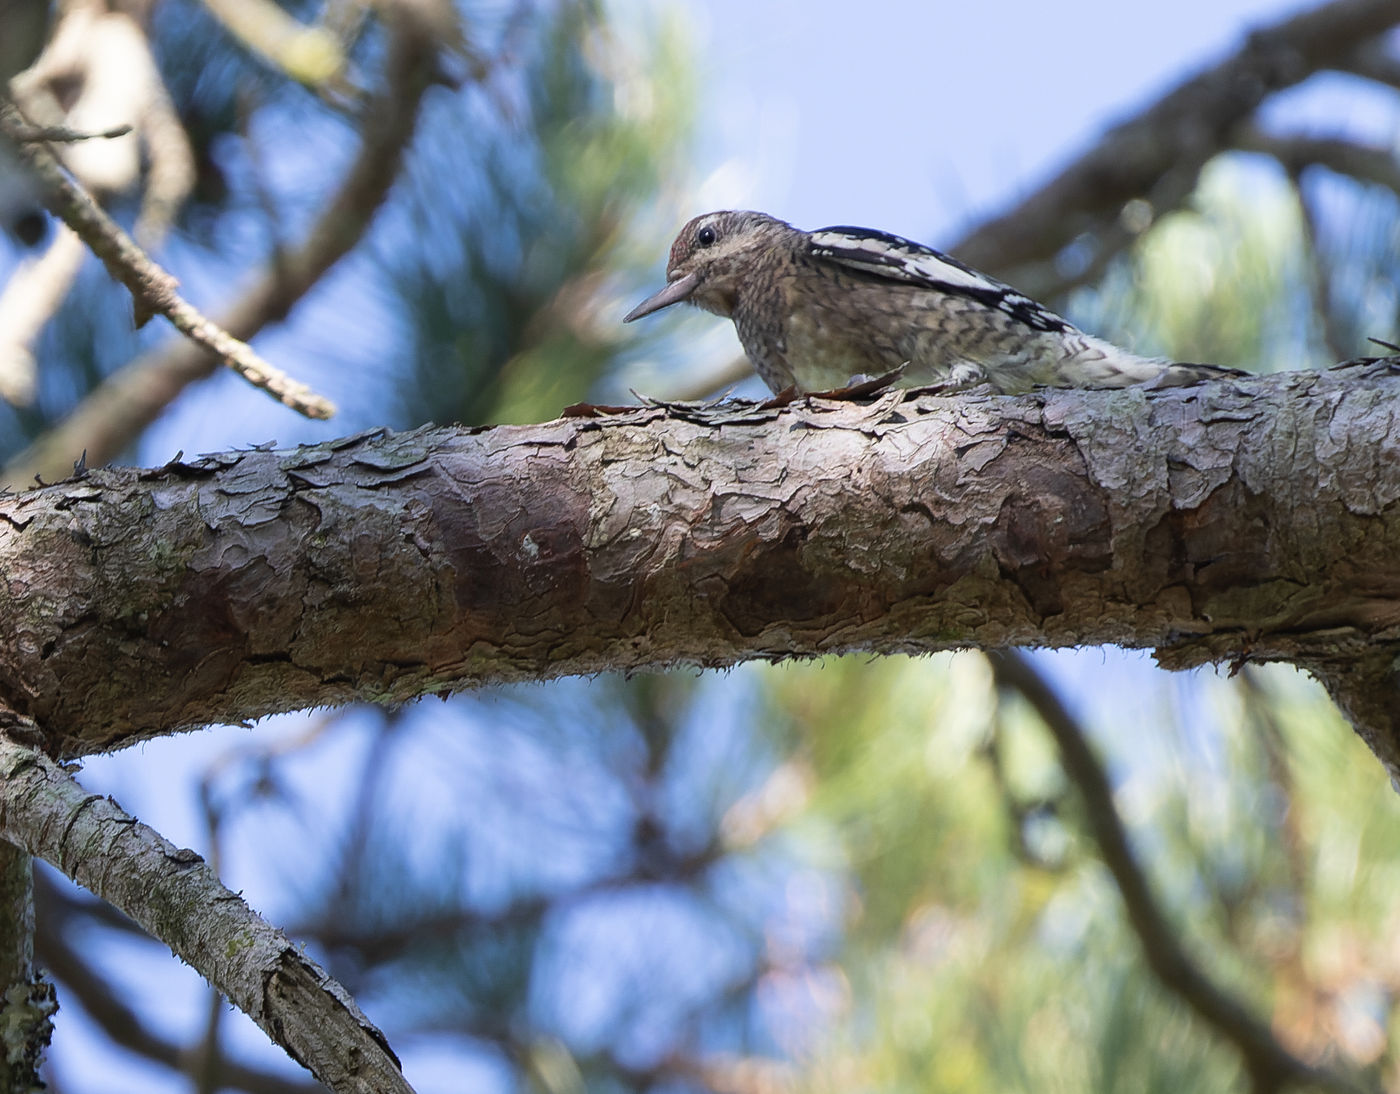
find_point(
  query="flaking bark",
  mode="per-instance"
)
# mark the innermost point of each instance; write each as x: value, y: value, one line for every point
x: 1231, y: 521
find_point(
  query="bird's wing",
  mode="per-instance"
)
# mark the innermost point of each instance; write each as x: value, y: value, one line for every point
x: 897, y: 259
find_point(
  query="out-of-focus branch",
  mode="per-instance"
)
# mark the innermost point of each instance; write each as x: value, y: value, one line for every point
x: 96, y: 75
x: 1374, y: 62
x: 114, y: 414
x: 29, y: 299
x: 1319, y: 281
x: 96, y: 78
x: 1179, y: 133
x: 1361, y: 162
x: 1021, y: 814
x: 152, y: 288
x: 1298, y: 154
x: 62, y: 134
x: 1269, y: 1064
x: 310, y: 55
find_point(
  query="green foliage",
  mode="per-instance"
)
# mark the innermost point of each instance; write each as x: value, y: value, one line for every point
x: 1264, y: 824
x: 506, y: 299
x: 1236, y: 278
x: 1225, y: 279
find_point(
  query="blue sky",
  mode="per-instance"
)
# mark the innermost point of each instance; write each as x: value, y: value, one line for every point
x: 921, y: 118
x: 917, y: 118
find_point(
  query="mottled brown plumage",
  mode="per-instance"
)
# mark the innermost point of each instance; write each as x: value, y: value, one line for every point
x: 814, y: 309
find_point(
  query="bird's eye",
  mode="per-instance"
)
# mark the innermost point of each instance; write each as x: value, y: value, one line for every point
x: 705, y: 236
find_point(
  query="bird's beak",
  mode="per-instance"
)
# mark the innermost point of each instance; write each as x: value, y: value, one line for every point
x: 673, y: 293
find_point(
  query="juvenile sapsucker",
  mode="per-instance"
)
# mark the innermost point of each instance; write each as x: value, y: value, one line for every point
x: 814, y: 309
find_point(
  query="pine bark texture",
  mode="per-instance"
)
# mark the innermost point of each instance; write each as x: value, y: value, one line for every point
x: 1232, y: 521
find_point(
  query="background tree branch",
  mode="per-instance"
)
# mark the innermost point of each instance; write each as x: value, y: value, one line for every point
x: 1268, y: 1063
x: 1172, y: 140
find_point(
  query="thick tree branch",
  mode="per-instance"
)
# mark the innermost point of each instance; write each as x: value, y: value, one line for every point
x: 175, y: 896
x: 1237, y: 520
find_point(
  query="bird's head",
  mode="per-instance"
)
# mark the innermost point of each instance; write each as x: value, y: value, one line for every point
x: 711, y: 258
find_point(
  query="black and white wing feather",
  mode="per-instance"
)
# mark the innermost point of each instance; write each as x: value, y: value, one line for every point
x: 883, y: 255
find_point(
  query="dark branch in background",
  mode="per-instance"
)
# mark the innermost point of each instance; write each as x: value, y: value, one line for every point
x: 1269, y: 1064
x: 1374, y: 62
x: 1021, y: 814
x: 1260, y: 715
x: 114, y: 414
x: 1171, y: 191
x: 1361, y: 162
x: 1175, y: 137
x: 1319, y: 283
x: 1297, y: 155
x: 153, y: 290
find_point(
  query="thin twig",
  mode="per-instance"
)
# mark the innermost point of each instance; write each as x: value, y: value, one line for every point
x: 1319, y: 278
x: 116, y: 412
x: 153, y: 290
x: 1270, y: 1065
x: 24, y: 133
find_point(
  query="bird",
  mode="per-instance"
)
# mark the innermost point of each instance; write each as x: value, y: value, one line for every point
x: 818, y: 311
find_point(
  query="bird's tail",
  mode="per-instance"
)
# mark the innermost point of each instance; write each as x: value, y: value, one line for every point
x: 1093, y: 362
x: 1183, y: 374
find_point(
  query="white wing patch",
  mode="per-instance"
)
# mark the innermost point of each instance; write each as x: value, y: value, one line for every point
x: 899, y: 259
